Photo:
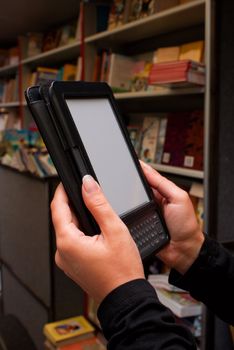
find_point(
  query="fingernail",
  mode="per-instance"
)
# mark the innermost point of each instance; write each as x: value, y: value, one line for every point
x: 146, y: 166
x: 90, y: 185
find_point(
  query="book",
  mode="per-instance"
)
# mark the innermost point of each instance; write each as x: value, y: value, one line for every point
x: 86, y: 344
x: 34, y: 44
x: 79, y: 66
x: 47, y: 164
x: 69, y: 72
x: 120, y: 72
x: 194, y: 141
x: 3, y: 120
x: 141, y: 71
x: 67, y: 34
x: 177, y: 74
x: 105, y: 65
x: 193, y: 323
x: 92, y: 308
x: 68, y: 331
x: 140, y: 9
x: 187, y: 149
x: 174, y: 146
x: 161, y: 281
x: 181, y: 304
x: 199, y: 211
x: 161, y: 139
x: 51, y: 40
x: 118, y: 13
x: 197, y: 190
x: 149, y: 138
x: 167, y: 54
x: 134, y: 134
x: 43, y: 75
x: 192, y: 51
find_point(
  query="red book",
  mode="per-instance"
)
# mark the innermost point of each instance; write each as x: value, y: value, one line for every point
x: 173, y: 152
x: 184, y: 140
x: 194, y: 144
x: 177, y: 72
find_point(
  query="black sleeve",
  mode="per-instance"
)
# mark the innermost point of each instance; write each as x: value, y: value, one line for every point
x: 132, y: 318
x: 210, y: 279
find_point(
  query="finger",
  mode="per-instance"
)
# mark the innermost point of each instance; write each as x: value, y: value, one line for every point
x: 59, y: 205
x: 99, y: 207
x: 62, y: 216
x: 159, y: 198
x: 74, y: 218
x: 165, y: 187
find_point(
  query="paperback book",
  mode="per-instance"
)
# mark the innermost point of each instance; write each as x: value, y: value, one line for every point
x: 68, y: 331
x: 181, y: 304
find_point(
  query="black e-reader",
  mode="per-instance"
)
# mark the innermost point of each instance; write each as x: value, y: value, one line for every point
x: 84, y: 133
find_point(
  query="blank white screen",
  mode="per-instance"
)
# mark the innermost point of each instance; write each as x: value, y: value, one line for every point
x: 108, y: 153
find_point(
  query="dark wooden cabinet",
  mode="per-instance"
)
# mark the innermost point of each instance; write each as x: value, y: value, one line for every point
x: 34, y: 289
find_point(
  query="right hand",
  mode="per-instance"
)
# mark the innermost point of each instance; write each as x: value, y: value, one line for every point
x: 186, y: 235
x: 99, y: 263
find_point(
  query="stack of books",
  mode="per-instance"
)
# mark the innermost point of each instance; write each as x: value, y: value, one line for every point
x: 177, y: 300
x: 178, y: 74
x: 74, y: 333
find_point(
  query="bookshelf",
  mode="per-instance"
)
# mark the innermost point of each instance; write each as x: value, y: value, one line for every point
x: 182, y: 17
x: 8, y: 70
x: 189, y: 22
x: 179, y: 17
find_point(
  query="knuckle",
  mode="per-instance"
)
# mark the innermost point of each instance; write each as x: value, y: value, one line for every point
x: 98, y: 201
x: 184, y: 196
x: 63, y: 245
x: 58, y: 260
x: 52, y: 205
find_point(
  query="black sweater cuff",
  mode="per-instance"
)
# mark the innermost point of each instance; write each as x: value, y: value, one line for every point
x: 124, y: 296
x: 204, y: 264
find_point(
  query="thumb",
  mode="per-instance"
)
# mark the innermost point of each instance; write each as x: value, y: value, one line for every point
x: 99, y: 207
x: 162, y: 185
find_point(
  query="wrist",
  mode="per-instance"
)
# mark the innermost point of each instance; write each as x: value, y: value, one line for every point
x: 188, y: 252
x: 181, y: 254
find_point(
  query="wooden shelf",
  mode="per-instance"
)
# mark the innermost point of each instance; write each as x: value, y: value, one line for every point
x: 59, y: 54
x: 9, y: 104
x: 8, y: 70
x: 142, y: 95
x: 196, y: 174
x: 155, y: 94
x: 179, y: 17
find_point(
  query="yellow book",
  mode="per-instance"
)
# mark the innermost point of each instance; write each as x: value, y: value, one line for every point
x: 167, y: 54
x: 69, y: 330
x: 192, y: 51
x: 47, y: 70
x: 69, y: 72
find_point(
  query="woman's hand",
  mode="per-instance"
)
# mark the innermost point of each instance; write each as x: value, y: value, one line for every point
x: 99, y: 263
x: 186, y: 235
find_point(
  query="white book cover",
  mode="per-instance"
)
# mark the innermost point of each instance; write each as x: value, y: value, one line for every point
x: 149, y: 136
x: 121, y: 72
x: 181, y: 304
